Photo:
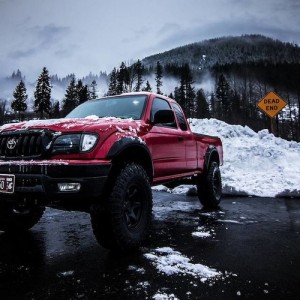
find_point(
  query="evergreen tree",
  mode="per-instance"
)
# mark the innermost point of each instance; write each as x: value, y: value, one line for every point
x: 2, y: 110
x: 179, y: 96
x: 82, y: 92
x: 122, y: 79
x: 223, y: 97
x: 93, y: 92
x: 147, y: 88
x: 213, y: 105
x: 42, y: 94
x: 158, y: 77
x: 171, y: 95
x: 56, y: 110
x: 185, y: 94
x: 189, y: 90
x: 71, y: 97
x: 237, y: 115
x: 190, y: 100
x: 19, y: 104
x: 138, y: 71
x: 112, y: 86
x: 202, y: 105
x: 17, y: 76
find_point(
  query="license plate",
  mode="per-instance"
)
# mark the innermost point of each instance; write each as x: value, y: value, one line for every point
x: 7, y: 183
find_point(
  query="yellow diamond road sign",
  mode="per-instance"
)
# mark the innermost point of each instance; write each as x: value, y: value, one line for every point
x: 271, y: 104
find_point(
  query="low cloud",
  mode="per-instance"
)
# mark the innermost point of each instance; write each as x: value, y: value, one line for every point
x: 42, y: 38
x: 169, y: 28
x: 50, y: 34
x: 98, y: 35
x: 23, y: 53
x: 136, y: 35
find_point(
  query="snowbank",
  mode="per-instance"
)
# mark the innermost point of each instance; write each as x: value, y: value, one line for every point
x: 256, y: 164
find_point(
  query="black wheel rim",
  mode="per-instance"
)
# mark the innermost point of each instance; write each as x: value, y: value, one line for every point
x: 133, y: 206
x: 23, y: 206
x: 21, y: 210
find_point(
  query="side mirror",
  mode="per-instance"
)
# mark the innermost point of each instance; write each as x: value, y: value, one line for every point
x: 164, y: 117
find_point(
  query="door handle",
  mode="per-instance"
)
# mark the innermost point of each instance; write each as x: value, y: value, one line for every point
x: 180, y: 138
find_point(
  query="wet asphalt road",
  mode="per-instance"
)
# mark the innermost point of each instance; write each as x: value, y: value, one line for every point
x: 253, y: 242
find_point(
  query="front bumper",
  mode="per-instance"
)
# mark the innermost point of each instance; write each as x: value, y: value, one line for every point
x: 41, y: 178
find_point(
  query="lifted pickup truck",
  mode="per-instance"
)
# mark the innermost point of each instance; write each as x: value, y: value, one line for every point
x: 103, y: 158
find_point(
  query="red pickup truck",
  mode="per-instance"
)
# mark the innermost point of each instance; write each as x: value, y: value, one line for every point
x: 103, y: 158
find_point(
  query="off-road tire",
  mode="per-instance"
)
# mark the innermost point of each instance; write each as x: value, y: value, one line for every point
x: 123, y: 222
x: 14, y: 218
x: 209, y: 186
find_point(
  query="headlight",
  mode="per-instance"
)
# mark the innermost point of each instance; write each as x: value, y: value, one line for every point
x: 88, y: 141
x: 74, y: 143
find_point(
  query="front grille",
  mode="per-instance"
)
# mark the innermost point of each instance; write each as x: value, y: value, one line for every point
x: 27, y: 182
x: 24, y: 144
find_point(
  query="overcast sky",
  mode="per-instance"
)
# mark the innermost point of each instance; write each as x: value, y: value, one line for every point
x: 76, y: 36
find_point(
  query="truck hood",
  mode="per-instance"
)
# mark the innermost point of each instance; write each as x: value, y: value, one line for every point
x: 88, y: 124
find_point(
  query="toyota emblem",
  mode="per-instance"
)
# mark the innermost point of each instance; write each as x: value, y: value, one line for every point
x: 11, y: 143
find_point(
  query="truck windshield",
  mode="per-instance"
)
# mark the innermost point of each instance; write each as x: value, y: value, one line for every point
x: 119, y: 107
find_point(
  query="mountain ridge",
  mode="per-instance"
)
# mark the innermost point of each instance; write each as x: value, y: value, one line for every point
x: 243, y: 49
x: 209, y: 54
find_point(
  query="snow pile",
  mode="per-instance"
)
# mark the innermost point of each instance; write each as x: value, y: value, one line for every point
x: 202, y: 232
x: 163, y: 210
x: 164, y: 296
x: 170, y: 262
x: 257, y: 164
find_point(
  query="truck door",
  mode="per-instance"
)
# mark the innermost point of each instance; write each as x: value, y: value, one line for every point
x: 166, y: 144
x: 188, y: 139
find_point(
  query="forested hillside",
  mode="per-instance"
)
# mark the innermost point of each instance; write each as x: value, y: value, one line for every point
x: 223, y: 78
x: 245, y: 49
x: 242, y: 69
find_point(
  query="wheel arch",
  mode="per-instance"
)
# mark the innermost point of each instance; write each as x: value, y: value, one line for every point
x: 210, y: 156
x: 131, y: 150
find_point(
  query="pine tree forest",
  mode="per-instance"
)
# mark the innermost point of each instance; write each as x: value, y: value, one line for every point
x: 236, y: 85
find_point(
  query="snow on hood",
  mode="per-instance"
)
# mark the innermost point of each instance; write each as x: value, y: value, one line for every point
x: 66, y: 124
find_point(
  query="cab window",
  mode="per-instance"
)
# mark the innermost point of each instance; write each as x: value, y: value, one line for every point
x: 180, y: 117
x: 161, y: 104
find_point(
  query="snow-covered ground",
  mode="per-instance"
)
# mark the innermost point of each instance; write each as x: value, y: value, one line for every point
x: 255, y: 164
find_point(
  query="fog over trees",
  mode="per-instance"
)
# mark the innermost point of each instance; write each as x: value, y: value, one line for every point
x: 222, y: 78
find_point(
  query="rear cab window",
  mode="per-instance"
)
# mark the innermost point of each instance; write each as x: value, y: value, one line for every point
x: 180, y: 117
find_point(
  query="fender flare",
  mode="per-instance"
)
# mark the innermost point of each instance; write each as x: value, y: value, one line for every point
x: 140, y: 152
x: 211, y: 154
x: 125, y: 143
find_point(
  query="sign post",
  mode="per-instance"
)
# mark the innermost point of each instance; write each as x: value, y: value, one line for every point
x: 271, y: 105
